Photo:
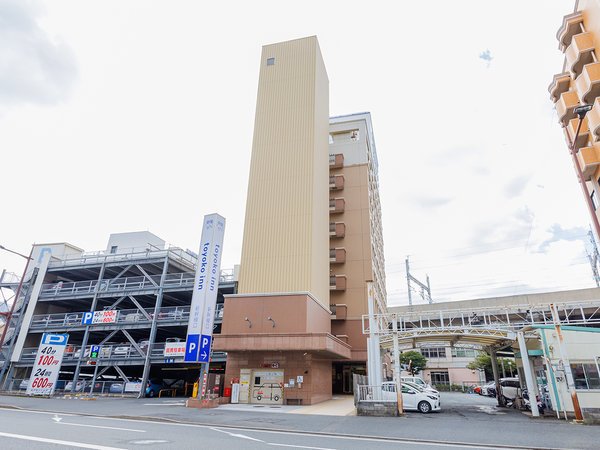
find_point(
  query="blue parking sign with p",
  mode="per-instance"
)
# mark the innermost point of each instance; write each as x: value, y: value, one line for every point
x: 205, y: 348
x: 87, y: 318
x: 191, y: 347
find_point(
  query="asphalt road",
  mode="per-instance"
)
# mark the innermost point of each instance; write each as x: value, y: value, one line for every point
x: 465, y: 420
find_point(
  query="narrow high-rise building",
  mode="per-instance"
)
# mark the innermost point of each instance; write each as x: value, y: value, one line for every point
x: 312, y: 240
x: 579, y: 84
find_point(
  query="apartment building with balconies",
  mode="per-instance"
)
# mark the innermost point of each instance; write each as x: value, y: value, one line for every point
x: 579, y: 84
x: 130, y: 301
x: 356, y: 238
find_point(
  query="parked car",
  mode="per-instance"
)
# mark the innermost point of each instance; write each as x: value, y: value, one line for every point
x: 412, y: 398
x: 23, y: 384
x: 153, y: 387
x: 173, y: 339
x: 489, y: 389
x: 417, y: 380
x: 80, y: 386
x: 117, y: 388
x: 509, y: 387
x: 427, y: 390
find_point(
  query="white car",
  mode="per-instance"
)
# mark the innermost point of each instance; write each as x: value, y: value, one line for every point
x: 412, y: 398
x: 427, y: 390
x: 416, y: 380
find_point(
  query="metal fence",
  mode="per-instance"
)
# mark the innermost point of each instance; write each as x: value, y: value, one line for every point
x: 377, y: 393
x: 83, y: 386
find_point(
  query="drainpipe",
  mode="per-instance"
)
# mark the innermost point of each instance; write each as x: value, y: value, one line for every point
x: 566, y: 365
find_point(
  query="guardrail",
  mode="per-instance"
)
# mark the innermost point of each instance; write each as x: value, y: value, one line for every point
x: 112, y: 351
x: 134, y: 253
x: 83, y: 386
x: 122, y: 316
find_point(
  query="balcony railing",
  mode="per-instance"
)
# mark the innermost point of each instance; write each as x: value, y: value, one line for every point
x: 123, y: 316
x: 337, y: 229
x: 594, y: 120
x: 565, y: 106
x: 588, y: 83
x: 337, y: 255
x: 337, y: 282
x: 571, y: 25
x: 336, y: 182
x: 583, y: 132
x: 589, y: 160
x: 337, y: 205
x: 336, y: 160
x: 580, y: 53
x: 338, y: 311
x: 560, y: 83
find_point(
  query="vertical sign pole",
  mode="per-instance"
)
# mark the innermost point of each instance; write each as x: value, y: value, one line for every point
x: 204, y: 298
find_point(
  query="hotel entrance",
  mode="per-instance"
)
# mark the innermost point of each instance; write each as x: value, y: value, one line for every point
x: 342, y: 376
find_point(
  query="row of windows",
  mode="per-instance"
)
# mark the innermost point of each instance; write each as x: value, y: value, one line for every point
x: 434, y: 352
x: 440, y: 352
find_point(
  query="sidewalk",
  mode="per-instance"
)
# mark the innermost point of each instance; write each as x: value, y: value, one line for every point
x: 342, y: 405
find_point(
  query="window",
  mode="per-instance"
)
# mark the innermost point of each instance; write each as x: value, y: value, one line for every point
x: 270, y: 61
x: 331, y: 138
x: 586, y: 375
x: 440, y: 378
x: 113, y: 249
x: 463, y: 353
x: 594, y: 200
x: 434, y: 352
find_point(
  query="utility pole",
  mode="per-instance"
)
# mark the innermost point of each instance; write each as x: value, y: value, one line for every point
x: 424, y: 288
x: 594, y: 258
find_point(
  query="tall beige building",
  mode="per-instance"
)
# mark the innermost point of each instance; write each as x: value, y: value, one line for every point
x: 285, y: 232
x: 312, y: 239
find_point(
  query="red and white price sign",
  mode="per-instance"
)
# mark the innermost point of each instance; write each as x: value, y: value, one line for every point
x: 105, y: 316
x: 47, y: 364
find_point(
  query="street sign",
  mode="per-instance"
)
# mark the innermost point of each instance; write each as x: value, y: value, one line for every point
x: 206, y: 283
x: 169, y: 360
x: 204, y: 352
x: 99, y: 317
x: 94, y: 352
x: 47, y: 364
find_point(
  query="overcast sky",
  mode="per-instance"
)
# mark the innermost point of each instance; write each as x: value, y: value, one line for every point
x: 114, y: 115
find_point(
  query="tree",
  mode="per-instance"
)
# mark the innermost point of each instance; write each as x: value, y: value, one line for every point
x: 484, y: 361
x: 415, y: 359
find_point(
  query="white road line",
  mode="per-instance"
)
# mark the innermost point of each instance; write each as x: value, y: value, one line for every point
x: 58, y: 442
x: 299, y: 446
x: 100, y: 426
x: 243, y: 436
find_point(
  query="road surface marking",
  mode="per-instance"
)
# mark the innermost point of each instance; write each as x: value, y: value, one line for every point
x: 100, y: 426
x: 58, y: 442
x: 299, y: 446
x: 243, y: 436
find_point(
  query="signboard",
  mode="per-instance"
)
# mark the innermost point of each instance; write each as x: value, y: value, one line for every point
x: 133, y: 387
x: 94, y: 351
x: 235, y: 393
x: 47, y: 364
x: 206, y: 283
x: 97, y: 317
x: 174, y: 349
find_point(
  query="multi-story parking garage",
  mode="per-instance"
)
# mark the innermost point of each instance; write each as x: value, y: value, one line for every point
x: 140, y: 292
